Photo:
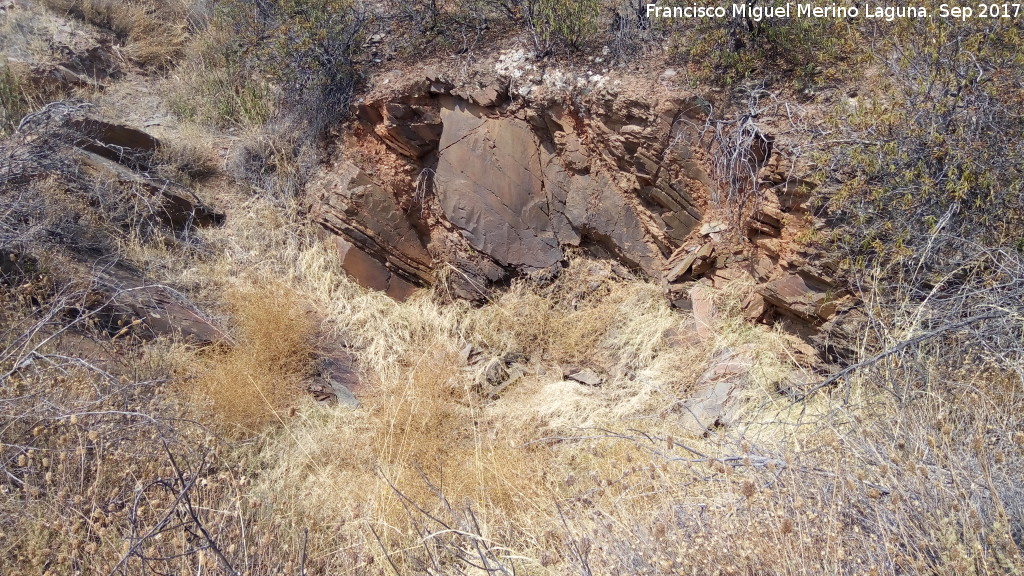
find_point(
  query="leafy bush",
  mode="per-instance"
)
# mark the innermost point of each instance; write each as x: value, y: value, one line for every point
x: 550, y: 22
x: 937, y: 148
x: 924, y: 191
x: 217, y: 87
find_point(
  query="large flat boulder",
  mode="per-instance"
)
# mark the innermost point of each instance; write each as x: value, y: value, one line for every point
x: 596, y: 207
x: 800, y: 295
x: 490, y: 182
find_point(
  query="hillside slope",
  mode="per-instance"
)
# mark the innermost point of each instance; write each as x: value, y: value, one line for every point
x: 531, y: 287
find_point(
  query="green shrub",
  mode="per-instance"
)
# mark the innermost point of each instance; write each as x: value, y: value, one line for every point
x: 572, y: 22
x: 924, y: 190
x: 935, y: 150
x: 217, y: 86
x: 13, y: 103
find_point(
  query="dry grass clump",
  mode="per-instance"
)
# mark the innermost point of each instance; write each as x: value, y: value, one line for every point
x: 430, y: 466
x: 585, y: 317
x: 185, y: 159
x: 259, y: 378
x: 154, y: 31
x: 212, y: 87
x: 13, y: 100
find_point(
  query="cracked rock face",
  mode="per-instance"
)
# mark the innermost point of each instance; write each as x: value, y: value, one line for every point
x: 492, y: 185
x: 505, y: 191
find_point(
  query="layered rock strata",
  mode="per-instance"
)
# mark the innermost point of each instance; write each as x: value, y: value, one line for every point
x: 472, y: 186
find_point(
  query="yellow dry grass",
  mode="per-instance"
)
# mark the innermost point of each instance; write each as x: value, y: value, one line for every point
x: 555, y: 477
x: 261, y: 375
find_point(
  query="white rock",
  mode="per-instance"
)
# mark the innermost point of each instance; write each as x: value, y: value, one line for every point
x: 713, y: 227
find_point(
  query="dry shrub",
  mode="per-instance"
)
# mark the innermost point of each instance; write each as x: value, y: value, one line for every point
x: 274, y: 161
x: 260, y: 377
x: 418, y: 444
x: 429, y: 466
x: 185, y: 159
x: 84, y: 446
x: 910, y: 471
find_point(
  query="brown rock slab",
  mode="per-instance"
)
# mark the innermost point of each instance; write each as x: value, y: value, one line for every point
x: 176, y: 205
x: 128, y: 304
x: 689, y: 263
x: 596, y: 208
x: 754, y: 307
x: 116, y: 142
x: 490, y: 183
x: 587, y: 377
x: 380, y: 246
x: 798, y: 294
x: 412, y: 131
x: 704, y: 310
x: 494, y: 94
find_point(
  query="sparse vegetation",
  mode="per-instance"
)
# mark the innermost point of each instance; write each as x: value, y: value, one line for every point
x: 809, y: 52
x: 153, y: 32
x: 472, y: 451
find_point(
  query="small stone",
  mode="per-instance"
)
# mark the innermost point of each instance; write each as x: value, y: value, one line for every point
x: 704, y: 310
x: 587, y: 377
x: 344, y: 395
x: 466, y: 353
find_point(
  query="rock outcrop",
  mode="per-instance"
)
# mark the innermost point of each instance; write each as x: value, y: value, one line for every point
x: 500, y: 187
x: 377, y: 240
x: 103, y: 168
x: 485, y: 183
x: 466, y: 180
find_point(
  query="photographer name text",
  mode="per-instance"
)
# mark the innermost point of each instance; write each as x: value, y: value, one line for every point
x: 809, y: 10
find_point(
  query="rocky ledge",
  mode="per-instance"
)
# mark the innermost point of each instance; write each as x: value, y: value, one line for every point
x: 475, y: 184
